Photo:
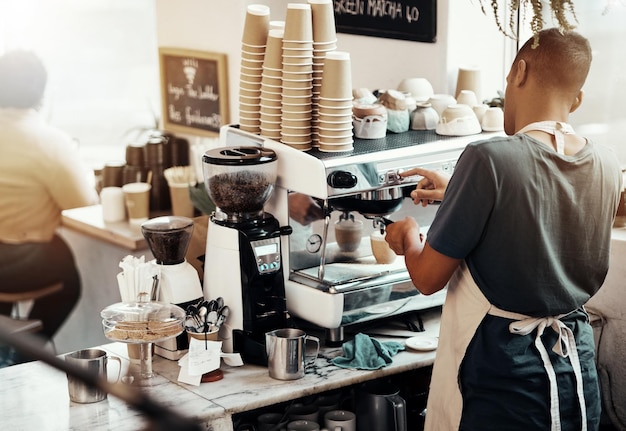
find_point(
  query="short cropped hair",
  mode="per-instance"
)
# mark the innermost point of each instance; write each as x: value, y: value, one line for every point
x: 23, y: 79
x: 561, y: 59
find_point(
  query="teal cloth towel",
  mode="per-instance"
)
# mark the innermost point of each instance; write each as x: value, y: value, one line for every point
x: 367, y: 353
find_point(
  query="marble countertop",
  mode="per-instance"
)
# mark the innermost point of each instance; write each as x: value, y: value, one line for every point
x: 35, y: 396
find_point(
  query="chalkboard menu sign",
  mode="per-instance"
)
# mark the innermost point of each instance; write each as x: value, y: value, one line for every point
x: 403, y: 19
x: 194, y: 91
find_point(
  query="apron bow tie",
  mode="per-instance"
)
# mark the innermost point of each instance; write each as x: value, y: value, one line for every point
x: 565, y: 346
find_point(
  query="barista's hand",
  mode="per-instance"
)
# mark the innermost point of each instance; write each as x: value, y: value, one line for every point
x: 430, y: 188
x: 304, y: 209
x: 403, y: 235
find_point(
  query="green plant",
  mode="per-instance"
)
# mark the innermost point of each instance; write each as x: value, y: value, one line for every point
x: 497, y: 102
x: 562, y: 12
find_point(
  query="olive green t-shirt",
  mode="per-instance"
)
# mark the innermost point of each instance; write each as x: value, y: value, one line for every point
x: 534, y: 226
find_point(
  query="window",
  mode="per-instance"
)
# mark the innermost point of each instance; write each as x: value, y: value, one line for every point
x: 102, y: 61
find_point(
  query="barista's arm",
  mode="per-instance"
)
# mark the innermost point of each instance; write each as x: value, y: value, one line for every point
x: 304, y: 209
x: 429, y: 269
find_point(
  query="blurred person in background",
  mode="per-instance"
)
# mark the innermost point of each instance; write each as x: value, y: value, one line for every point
x: 41, y: 175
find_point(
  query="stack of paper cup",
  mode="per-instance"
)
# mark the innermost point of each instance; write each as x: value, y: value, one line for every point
x: 254, y: 41
x: 335, y: 103
x: 297, y: 77
x: 324, y: 41
x: 271, y: 86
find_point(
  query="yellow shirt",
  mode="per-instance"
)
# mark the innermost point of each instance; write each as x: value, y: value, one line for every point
x: 41, y: 174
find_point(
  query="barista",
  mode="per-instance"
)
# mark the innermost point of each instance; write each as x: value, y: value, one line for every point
x: 40, y: 175
x: 523, y: 236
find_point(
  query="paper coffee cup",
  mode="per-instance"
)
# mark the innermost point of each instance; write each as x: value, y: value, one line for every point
x: 380, y: 249
x: 137, y: 198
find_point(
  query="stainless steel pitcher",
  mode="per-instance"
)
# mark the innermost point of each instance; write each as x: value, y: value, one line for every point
x: 286, y: 353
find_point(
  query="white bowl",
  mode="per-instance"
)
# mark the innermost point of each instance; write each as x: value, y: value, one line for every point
x: 420, y: 88
x: 458, y: 120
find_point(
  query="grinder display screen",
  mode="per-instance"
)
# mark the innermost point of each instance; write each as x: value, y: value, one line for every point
x: 267, y: 255
x: 263, y: 250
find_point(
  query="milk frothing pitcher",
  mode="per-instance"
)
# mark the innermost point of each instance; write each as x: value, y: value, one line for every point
x: 286, y: 353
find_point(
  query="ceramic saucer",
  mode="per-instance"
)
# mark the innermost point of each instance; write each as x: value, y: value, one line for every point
x: 421, y: 343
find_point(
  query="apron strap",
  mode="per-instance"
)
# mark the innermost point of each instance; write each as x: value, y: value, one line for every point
x: 558, y: 129
x: 565, y: 346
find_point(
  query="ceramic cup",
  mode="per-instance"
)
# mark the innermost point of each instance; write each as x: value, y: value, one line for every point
x: 467, y: 97
x: 271, y: 422
x: 113, y: 206
x: 309, y: 412
x: 348, y: 234
x: 340, y: 419
x: 493, y: 120
x: 301, y: 425
x: 440, y: 102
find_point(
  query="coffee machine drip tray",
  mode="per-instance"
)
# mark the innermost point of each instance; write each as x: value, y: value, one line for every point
x: 345, y: 276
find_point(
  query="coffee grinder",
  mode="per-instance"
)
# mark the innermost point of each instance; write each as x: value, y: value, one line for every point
x: 243, y: 262
x: 178, y: 281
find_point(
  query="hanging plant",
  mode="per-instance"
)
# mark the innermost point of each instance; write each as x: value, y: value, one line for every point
x: 562, y: 12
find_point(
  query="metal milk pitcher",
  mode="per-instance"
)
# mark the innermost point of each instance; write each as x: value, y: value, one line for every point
x: 286, y: 353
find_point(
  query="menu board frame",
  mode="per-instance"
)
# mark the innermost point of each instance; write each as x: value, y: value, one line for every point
x: 194, y: 98
x: 412, y: 20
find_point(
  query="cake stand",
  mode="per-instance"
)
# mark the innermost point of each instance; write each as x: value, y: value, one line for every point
x: 143, y: 323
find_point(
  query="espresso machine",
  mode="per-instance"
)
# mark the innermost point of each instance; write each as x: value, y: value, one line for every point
x: 243, y: 262
x: 324, y: 285
x: 178, y: 281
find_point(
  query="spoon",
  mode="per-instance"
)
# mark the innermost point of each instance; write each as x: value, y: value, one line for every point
x: 222, y: 315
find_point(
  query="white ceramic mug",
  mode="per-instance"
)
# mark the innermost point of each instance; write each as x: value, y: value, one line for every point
x: 113, y: 205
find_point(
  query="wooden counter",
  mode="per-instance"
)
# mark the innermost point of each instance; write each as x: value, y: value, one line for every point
x: 35, y: 396
x: 89, y: 221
